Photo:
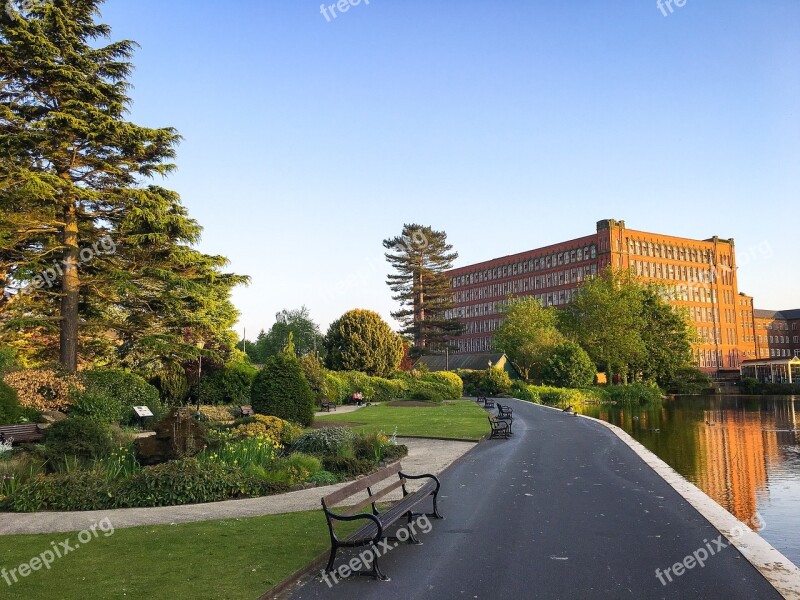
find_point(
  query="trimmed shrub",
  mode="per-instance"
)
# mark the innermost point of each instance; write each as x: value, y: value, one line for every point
x: 228, y: 385
x: 523, y: 391
x: 425, y: 391
x: 78, y: 437
x: 43, y: 389
x: 315, y: 375
x: 274, y: 429
x: 472, y: 381
x: 335, y: 387
x: 9, y: 405
x: 217, y: 414
x: 360, y: 340
x: 495, y: 382
x: 328, y: 441
x: 451, y: 384
x: 569, y: 366
x: 280, y: 389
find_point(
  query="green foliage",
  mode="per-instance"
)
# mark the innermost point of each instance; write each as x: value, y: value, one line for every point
x: 495, y: 381
x: 77, y: 490
x: 633, y: 393
x: 425, y: 391
x: 749, y: 385
x: 10, y: 410
x: 110, y: 394
x: 347, y: 466
x: 323, y: 478
x: 689, y: 380
x: 360, y: 340
x: 528, y: 334
x: 451, y: 385
x: 421, y: 257
x: 370, y: 446
x: 523, y: 391
x: 306, y: 336
x: 8, y: 359
x: 606, y: 320
x: 554, y: 396
x: 78, y: 176
x: 78, y: 437
x: 280, y: 389
x: 187, y: 481
x: 228, y: 385
x: 315, y: 375
x: 328, y: 441
x: 569, y: 366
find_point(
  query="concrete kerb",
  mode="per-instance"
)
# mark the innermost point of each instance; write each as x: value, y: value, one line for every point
x: 782, y: 573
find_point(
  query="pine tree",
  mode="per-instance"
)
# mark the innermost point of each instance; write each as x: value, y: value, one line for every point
x: 85, y: 246
x: 420, y: 257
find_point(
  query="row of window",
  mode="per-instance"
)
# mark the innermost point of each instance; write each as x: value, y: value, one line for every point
x: 780, y: 339
x: 779, y: 325
x: 519, y: 286
x: 780, y: 353
x: 527, y: 266
x: 475, y: 345
x: 494, y: 307
x: 682, y: 253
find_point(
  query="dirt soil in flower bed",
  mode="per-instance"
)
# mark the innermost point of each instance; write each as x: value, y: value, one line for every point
x: 323, y: 424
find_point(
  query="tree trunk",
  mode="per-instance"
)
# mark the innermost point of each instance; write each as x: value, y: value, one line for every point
x: 70, y: 287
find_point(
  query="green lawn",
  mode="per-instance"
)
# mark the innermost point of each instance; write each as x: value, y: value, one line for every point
x: 233, y: 559
x: 460, y: 419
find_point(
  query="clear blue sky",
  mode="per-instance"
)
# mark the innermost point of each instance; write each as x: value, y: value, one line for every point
x: 510, y: 125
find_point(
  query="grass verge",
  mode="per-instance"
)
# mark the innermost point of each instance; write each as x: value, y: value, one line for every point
x: 232, y: 559
x: 460, y: 419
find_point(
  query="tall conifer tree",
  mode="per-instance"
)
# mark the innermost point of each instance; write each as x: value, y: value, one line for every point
x: 420, y: 257
x: 72, y: 187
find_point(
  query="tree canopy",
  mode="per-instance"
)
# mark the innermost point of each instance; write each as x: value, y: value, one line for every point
x: 97, y: 263
x: 360, y: 340
x: 528, y: 334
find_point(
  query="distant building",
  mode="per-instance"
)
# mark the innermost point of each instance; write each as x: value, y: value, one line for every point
x: 701, y: 275
x: 474, y: 361
x: 773, y: 370
x: 777, y: 333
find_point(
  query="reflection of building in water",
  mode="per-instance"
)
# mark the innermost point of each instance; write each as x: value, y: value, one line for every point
x: 736, y: 450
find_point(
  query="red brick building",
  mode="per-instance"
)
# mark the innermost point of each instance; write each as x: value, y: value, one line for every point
x: 777, y: 333
x: 701, y: 275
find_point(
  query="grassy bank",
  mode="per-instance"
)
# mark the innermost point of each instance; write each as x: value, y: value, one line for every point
x: 459, y: 419
x: 232, y: 559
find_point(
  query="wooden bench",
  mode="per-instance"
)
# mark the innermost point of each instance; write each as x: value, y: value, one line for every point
x: 328, y: 406
x: 488, y: 402
x: 377, y: 522
x: 480, y: 399
x: 500, y: 428
x: 20, y: 433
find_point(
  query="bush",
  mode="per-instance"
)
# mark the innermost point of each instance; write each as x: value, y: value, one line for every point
x: 43, y: 389
x: 569, y: 366
x: 472, y: 381
x: 394, y: 452
x: 323, y: 478
x: 9, y: 405
x: 347, y: 466
x: 553, y: 396
x: 328, y: 441
x: 280, y: 389
x: 749, y: 385
x: 689, y: 380
x: 360, y: 340
x: 78, y: 437
x: 8, y: 359
x: 228, y: 385
x: 78, y: 490
x: 633, y: 393
x: 335, y: 388
x: 370, y: 446
x: 425, y: 391
x: 315, y: 375
x: 278, y: 431
x: 451, y: 385
x: 523, y: 391
x: 495, y: 382
x: 186, y: 481
x: 217, y: 414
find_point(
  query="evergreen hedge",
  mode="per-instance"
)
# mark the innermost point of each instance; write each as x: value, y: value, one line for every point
x: 280, y: 390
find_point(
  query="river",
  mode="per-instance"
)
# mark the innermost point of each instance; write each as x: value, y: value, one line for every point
x: 743, y: 451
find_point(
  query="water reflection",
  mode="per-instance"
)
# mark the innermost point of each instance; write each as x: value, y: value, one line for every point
x: 743, y: 451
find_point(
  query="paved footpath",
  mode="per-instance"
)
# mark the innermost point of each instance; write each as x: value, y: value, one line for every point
x: 562, y: 510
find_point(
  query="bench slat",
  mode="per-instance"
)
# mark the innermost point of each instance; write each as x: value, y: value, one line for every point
x: 361, y: 484
x: 374, y: 498
x: 394, y: 513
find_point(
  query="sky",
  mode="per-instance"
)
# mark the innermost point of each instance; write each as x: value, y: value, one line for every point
x: 509, y: 125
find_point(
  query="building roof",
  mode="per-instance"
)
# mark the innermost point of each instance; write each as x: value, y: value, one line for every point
x: 476, y: 361
x: 777, y: 314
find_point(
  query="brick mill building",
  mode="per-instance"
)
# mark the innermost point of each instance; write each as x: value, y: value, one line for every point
x: 701, y: 275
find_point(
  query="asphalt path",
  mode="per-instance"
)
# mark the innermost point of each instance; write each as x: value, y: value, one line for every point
x: 563, y: 509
